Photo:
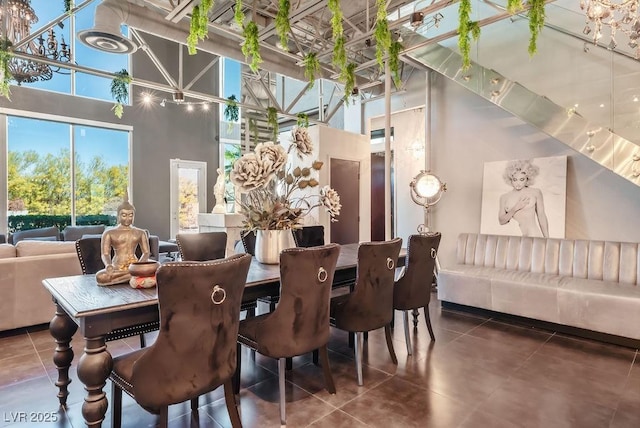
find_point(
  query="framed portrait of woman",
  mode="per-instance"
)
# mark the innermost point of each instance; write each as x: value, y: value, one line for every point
x: 525, y: 197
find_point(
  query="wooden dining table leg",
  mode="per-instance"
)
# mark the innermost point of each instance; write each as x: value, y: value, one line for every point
x: 94, y: 368
x: 62, y: 328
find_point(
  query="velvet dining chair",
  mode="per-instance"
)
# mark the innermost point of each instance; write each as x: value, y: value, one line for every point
x: 300, y: 322
x: 413, y: 289
x: 195, y: 352
x: 207, y: 246
x: 370, y: 305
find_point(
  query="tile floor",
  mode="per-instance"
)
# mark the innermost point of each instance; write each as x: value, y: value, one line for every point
x: 479, y: 373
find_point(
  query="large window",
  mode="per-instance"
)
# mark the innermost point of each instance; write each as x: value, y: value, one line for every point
x: 62, y: 173
x: 83, y: 84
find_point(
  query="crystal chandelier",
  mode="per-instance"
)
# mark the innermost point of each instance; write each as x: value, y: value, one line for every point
x: 621, y: 15
x: 16, y: 28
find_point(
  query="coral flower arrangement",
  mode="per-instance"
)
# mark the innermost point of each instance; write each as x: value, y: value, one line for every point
x: 276, y: 196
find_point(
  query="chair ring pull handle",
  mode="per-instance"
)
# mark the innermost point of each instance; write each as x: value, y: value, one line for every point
x: 390, y: 263
x: 433, y: 253
x: 222, y: 295
x: 322, y: 274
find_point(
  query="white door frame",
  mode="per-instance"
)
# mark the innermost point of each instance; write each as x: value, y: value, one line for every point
x: 175, y: 165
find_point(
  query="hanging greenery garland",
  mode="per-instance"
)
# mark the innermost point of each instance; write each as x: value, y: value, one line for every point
x: 394, y: 62
x: 514, y: 6
x: 120, y: 91
x: 5, y: 58
x: 466, y: 30
x: 251, y: 46
x: 311, y: 67
x: 272, y: 120
x: 199, y: 28
x: 382, y: 33
x: 536, y: 23
x: 339, y: 58
x: 231, y: 109
x: 238, y: 14
x: 303, y: 120
x: 349, y: 81
x: 282, y: 23
x: 67, y: 6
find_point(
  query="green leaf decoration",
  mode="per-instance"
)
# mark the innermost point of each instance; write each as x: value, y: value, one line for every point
x: 466, y: 29
x: 272, y: 120
x: 120, y: 91
x: 303, y: 120
x: 514, y: 6
x: 282, y: 23
x: 536, y: 23
x: 199, y: 27
x: 251, y: 46
x: 5, y: 58
x: 67, y: 6
x: 238, y: 14
x: 394, y: 62
x: 382, y: 33
x: 339, y: 58
x: 231, y: 109
x: 311, y: 67
x: 349, y: 81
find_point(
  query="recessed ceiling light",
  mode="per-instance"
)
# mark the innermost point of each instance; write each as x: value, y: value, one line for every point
x: 189, y: 107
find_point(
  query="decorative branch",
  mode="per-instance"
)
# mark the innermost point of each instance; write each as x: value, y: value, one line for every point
x: 5, y: 58
x: 282, y: 23
x: 311, y: 67
x: 272, y: 120
x: 251, y: 46
x: 120, y: 91
x: 303, y: 120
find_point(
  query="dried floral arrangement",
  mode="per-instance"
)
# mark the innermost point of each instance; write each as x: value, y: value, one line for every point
x: 272, y: 200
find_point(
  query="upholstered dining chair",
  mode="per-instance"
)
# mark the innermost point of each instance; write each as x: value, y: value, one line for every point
x: 370, y: 305
x: 195, y: 350
x: 309, y: 236
x: 413, y: 288
x: 300, y: 323
x: 89, y: 251
x: 204, y: 246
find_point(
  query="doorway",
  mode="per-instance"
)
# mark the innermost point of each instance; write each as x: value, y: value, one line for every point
x: 188, y: 195
x: 345, y: 179
x: 378, y: 226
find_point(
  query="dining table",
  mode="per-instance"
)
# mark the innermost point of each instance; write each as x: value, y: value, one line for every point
x: 100, y: 310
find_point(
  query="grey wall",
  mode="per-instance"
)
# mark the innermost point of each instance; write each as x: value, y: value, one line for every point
x: 468, y: 131
x: 159, y: 134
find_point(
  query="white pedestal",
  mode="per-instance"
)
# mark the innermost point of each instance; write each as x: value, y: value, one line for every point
x: 230, y: 223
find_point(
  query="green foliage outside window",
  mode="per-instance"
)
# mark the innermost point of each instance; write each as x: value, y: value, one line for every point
x: 303, y: 120
x: 40, y: 185
x: 27, y: 222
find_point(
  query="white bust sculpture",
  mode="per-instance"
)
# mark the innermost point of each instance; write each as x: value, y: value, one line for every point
x: 218, y: 192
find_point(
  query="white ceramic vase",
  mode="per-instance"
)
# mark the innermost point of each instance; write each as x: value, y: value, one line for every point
x: 269, y: 244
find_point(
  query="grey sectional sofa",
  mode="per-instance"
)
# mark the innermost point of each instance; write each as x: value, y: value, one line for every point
x: 592, y: 285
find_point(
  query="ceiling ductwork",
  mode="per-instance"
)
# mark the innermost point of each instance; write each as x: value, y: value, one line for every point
x: 111, y: 14
x: 105, y: 34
